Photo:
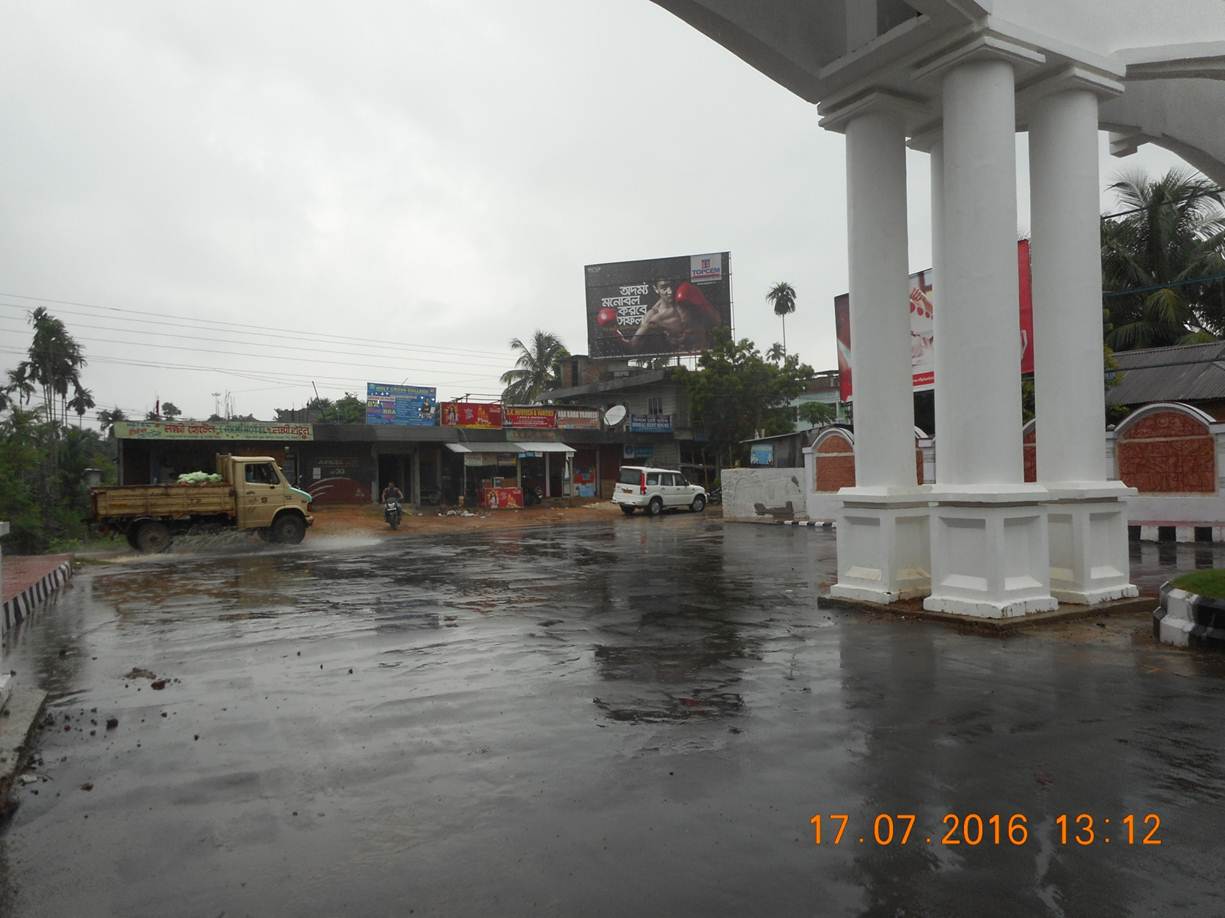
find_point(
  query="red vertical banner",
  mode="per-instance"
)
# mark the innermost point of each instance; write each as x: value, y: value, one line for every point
x: 842, y: 328
x: 1027, y: 307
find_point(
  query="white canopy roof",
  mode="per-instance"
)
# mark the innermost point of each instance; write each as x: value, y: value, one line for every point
x: 517, y: 447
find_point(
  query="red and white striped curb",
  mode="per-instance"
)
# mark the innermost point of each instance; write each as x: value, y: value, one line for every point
x: 18, y: 608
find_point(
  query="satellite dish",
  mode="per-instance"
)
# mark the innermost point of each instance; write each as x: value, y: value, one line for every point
x: 614, y: 415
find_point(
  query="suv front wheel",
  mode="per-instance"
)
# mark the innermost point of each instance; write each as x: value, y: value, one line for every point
x: 699, y: 504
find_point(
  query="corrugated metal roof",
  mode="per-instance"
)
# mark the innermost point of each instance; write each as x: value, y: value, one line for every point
x: 1191, y: 372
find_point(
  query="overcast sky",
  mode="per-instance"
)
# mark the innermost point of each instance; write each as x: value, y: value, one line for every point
x: 428, y: 177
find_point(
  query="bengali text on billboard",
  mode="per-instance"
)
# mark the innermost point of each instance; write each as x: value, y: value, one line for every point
x: 212, y: 430
x: 921, y: 304
x: 657, y: 306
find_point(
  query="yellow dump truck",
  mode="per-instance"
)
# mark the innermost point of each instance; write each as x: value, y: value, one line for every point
x: 253, y: 494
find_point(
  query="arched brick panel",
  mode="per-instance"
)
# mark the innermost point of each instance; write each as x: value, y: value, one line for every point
x: 1166, y: 449
x: 834, y: 461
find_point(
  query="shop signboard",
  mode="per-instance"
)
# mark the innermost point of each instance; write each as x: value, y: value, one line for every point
x: 212, y: 430
x: 657, y: 306
x: 405, y: 406
x: 921, y: 305
x: 534, y: 417
x: 478, y: 415
x: 650, y: 423
x: 761, y: 454
x: 578, y: 419
x: 637, y: 452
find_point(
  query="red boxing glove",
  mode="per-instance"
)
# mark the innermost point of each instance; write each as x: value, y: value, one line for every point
x: 689, y: 294
x: 606, y: 316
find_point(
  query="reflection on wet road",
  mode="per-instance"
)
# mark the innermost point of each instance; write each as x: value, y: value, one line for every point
x: 637, y: 717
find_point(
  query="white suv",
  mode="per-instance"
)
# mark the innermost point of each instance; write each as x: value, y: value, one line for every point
x: 656, y: 490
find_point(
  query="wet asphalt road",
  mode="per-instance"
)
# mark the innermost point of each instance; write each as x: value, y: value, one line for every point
x: 637, y: 717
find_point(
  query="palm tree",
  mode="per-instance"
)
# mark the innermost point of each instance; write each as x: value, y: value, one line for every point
x: 108, y: 417
x: 777, y: 353
x: 54, y: 362
x: 537, y: 370
x: 782, y: 295
x: 1163, y: 261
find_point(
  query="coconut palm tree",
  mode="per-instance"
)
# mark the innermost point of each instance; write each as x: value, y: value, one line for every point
x: 107, y: 418
x: 537, y: 369
x: 54, y: 363
x: 1163, y: 262
x: 777, y: 353
x: 782, y: 295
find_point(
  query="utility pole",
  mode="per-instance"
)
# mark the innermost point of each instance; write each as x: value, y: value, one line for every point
x: 217, y: 403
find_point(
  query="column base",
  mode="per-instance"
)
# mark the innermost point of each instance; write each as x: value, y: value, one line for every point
x: 883, y: 550
x: 989, y: 551
x: 1087, y: 527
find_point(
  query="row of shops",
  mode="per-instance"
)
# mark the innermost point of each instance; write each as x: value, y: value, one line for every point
x: 353, y: 463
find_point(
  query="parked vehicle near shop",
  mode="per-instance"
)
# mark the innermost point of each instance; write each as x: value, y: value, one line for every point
x: 253, y: 494
x: 656, y: 490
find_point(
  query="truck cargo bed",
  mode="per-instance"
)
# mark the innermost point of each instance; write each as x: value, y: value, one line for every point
x: 163, y: 501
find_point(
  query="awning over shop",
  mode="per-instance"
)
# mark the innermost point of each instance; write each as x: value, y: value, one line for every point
x: 544, y: 447
x: 483, y: 447
x: 516, y: 447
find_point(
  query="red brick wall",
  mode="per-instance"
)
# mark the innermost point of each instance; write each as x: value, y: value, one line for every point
x: 1167, y: 452
x: 834, y: 464
x: 1030, y: 448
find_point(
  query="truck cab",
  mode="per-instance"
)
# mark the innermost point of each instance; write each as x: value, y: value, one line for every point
x: 264, y: 498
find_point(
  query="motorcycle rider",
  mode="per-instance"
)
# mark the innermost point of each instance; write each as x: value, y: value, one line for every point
x: 391, y: 492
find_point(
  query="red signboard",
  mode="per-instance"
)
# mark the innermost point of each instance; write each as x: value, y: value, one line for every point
x: 536, y: 418
x: 486, y: 416
x: 921, y: 305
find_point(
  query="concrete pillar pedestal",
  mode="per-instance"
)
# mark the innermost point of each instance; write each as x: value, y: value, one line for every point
x: 990, y: 552
x: 883, y: 551
x: 1088, y: 542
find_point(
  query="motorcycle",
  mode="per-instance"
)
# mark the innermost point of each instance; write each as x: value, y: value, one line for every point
x: 391, y: 513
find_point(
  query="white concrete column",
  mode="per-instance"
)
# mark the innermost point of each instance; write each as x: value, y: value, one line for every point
x: 883, y: 552
x: 978, y: 351
x: 989, y: 549
x: 1087, y: 521
x: 880, y: 323
x: 1067, y: 285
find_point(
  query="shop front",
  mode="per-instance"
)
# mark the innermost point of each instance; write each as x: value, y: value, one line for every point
x: 503, y: 475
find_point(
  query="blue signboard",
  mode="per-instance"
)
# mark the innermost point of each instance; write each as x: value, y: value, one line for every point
x: 761, y: 454
x: 407, y: 406
x: 651, y: 423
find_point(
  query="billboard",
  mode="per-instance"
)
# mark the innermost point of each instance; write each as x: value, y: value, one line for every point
x: 578, y: 419
x: 650, y: 423
x: 534, y: 417
x: 480, y: 415
x: 212, y: 430
x: 658, y: 306
x: 407, y: 406
x: 921, y: 303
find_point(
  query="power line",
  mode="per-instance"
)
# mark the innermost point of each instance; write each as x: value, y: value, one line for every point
x: 343, y: 363
x: 1136, y: 210
x: 249, y: 343
x: 210, y: 322
x: 1182, y: 283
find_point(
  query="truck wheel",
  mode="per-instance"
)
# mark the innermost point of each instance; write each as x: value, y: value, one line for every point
x: 288, y: 529
x: 130, y: 535
x: 152, y: 538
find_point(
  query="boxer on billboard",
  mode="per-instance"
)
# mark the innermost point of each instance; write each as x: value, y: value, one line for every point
x: 680, y: 314
x: 683, y: 309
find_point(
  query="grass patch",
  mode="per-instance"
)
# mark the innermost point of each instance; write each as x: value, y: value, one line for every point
x: 1203, y: 583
